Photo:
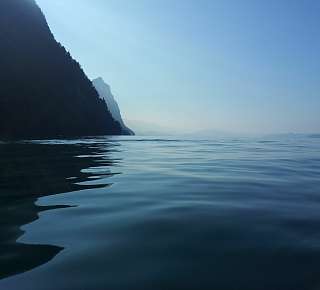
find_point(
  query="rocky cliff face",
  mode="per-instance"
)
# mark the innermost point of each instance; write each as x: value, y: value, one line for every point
x: 105, y: 93
x: 44, y: 92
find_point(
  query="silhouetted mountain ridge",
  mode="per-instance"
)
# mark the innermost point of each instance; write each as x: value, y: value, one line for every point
x: 44, y: 92
x: 105, y: 93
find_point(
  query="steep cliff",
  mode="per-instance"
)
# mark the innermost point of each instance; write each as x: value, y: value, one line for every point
x: 105, y: 93
x: 44, y: 92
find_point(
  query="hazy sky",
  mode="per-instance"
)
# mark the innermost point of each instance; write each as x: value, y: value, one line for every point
x: 233, y: 65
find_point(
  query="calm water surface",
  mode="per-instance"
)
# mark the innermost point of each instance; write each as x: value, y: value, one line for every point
x: 129, y: 213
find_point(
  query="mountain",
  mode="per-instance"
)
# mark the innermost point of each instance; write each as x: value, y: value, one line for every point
x: 104, y: 92
x: 145, y: 128
x: 43, y: 90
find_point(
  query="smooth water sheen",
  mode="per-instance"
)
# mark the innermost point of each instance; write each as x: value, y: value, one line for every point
x: 129, y: 213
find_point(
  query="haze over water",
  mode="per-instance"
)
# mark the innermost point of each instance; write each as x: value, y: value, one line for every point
x: 148, y: 213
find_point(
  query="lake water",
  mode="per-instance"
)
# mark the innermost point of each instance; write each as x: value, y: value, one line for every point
x: 133, y: 213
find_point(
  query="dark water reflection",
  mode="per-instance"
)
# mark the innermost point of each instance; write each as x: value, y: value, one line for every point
x: 29, y: 171
x: 225, y: 214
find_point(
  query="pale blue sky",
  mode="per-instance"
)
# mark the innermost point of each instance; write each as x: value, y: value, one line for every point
x: 231, y: 65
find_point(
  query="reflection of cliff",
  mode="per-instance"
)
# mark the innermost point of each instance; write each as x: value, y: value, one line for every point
x: 27, y: 172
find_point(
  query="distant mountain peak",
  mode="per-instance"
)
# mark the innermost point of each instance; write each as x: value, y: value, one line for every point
x: 104, y: 88
x: 104, y: 91
x: 100, y: 79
